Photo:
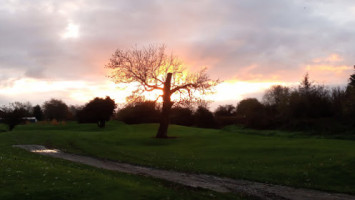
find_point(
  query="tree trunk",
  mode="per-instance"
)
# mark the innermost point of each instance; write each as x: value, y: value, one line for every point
x: 11, y: 126
x: 165, y: 113
x: 101, y: 123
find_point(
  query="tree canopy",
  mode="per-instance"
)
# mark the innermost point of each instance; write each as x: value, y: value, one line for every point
x: 38, y: 113
x: 153, y: 69
x: 13, y: 114
x: 98, y: 110
x: 352, y: 80
x: 55, y: 109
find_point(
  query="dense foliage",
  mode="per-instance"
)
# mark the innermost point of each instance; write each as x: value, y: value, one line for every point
x: 13, y: 114
x: 139, y: 112
x: 182, y: 116
x: 38, y: 113
x: 98, y: 110
x: 56, y: 109
x: 309, y: 106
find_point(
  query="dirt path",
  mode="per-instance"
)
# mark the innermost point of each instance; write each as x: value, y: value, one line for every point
x: 260, y: 190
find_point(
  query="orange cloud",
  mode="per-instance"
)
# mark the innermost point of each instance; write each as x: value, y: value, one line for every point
x: 331, y: 68
x: 332, y: 58
x: 237, y: 90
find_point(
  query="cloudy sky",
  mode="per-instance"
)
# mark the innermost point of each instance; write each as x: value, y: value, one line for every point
x: 58, y: 49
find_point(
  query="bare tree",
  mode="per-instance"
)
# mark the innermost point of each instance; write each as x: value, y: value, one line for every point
x: 14, y: 114
x: 153, y: 69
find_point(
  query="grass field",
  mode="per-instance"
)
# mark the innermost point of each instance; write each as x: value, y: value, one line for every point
x: 280, y: 158
x: 25, y: 175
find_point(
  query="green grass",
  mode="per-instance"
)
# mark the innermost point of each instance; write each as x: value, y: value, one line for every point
x: 272, y: 157
x: 25, y: 175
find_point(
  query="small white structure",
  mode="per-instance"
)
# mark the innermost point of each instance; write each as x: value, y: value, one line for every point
x: 30, y: 119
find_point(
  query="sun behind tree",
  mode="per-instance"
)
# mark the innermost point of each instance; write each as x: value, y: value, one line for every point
x: 153, y: 69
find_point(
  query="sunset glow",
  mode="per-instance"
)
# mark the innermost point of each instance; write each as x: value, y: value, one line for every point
x: 204, y: 99
x: 71, y: 31
x: 60, y: 49
x: 81, y: 92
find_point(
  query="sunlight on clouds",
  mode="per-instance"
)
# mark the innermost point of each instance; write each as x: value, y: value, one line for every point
x: 236, y: 90
x: 105, y: 89
x: 71, y: 31
x: 28, y: 85
x: 334, y: 58
x: 79, y: 91
x: 330, y: 58
x: 335, y: 69
x: 328, y: 69
x: 82, y: 92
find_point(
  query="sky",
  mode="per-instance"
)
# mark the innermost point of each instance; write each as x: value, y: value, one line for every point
x: 59, y: 49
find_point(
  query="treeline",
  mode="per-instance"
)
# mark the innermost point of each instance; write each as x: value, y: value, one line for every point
x: 149, y: 112
x: 98, y: 110
x: 308, y: 106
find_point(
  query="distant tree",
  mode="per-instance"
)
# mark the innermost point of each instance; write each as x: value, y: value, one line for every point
x: 226, y: 110
x: 38, y: 113
x: 352, y: 80
x: 204, y: 118
x: 98, y: 110
x: 310, y: 100
x: 26, y: 107
x: 338, y: 101
x: 73, y: 112
x: 253, y: 113
x: 225, y: 115
x: 139, y: 112
x: 55, y: 109
x: 306, y: 85
x: 182, y: 116
x: 349, y: 108
x: 13, y: 114
x: 276, y: 101
x: 248, y: 107
x: 277, y: 95
x: 153, y: 70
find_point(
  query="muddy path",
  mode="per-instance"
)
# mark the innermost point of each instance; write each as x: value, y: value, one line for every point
x: 218, y: 184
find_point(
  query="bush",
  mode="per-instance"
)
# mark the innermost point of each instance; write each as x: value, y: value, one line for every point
x: 98, y: 111
x: 141, y: 112
x: 55, y: 109
x: 252, y: 113
x: 38, y: 113
x: 204, y: 118
x: 13, y: 114
x: 182, y: 116
x: 225, y: 115
x: 225, y: 120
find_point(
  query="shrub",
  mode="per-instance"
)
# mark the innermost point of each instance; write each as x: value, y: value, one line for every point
x: 253, y: 113
x: 204, y: 118
x: 13, y: 114
x: 140, y: 112
x: 55, y: 109
x: 98, y: 110
x: 225, y: 115
x: 182, y: 116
